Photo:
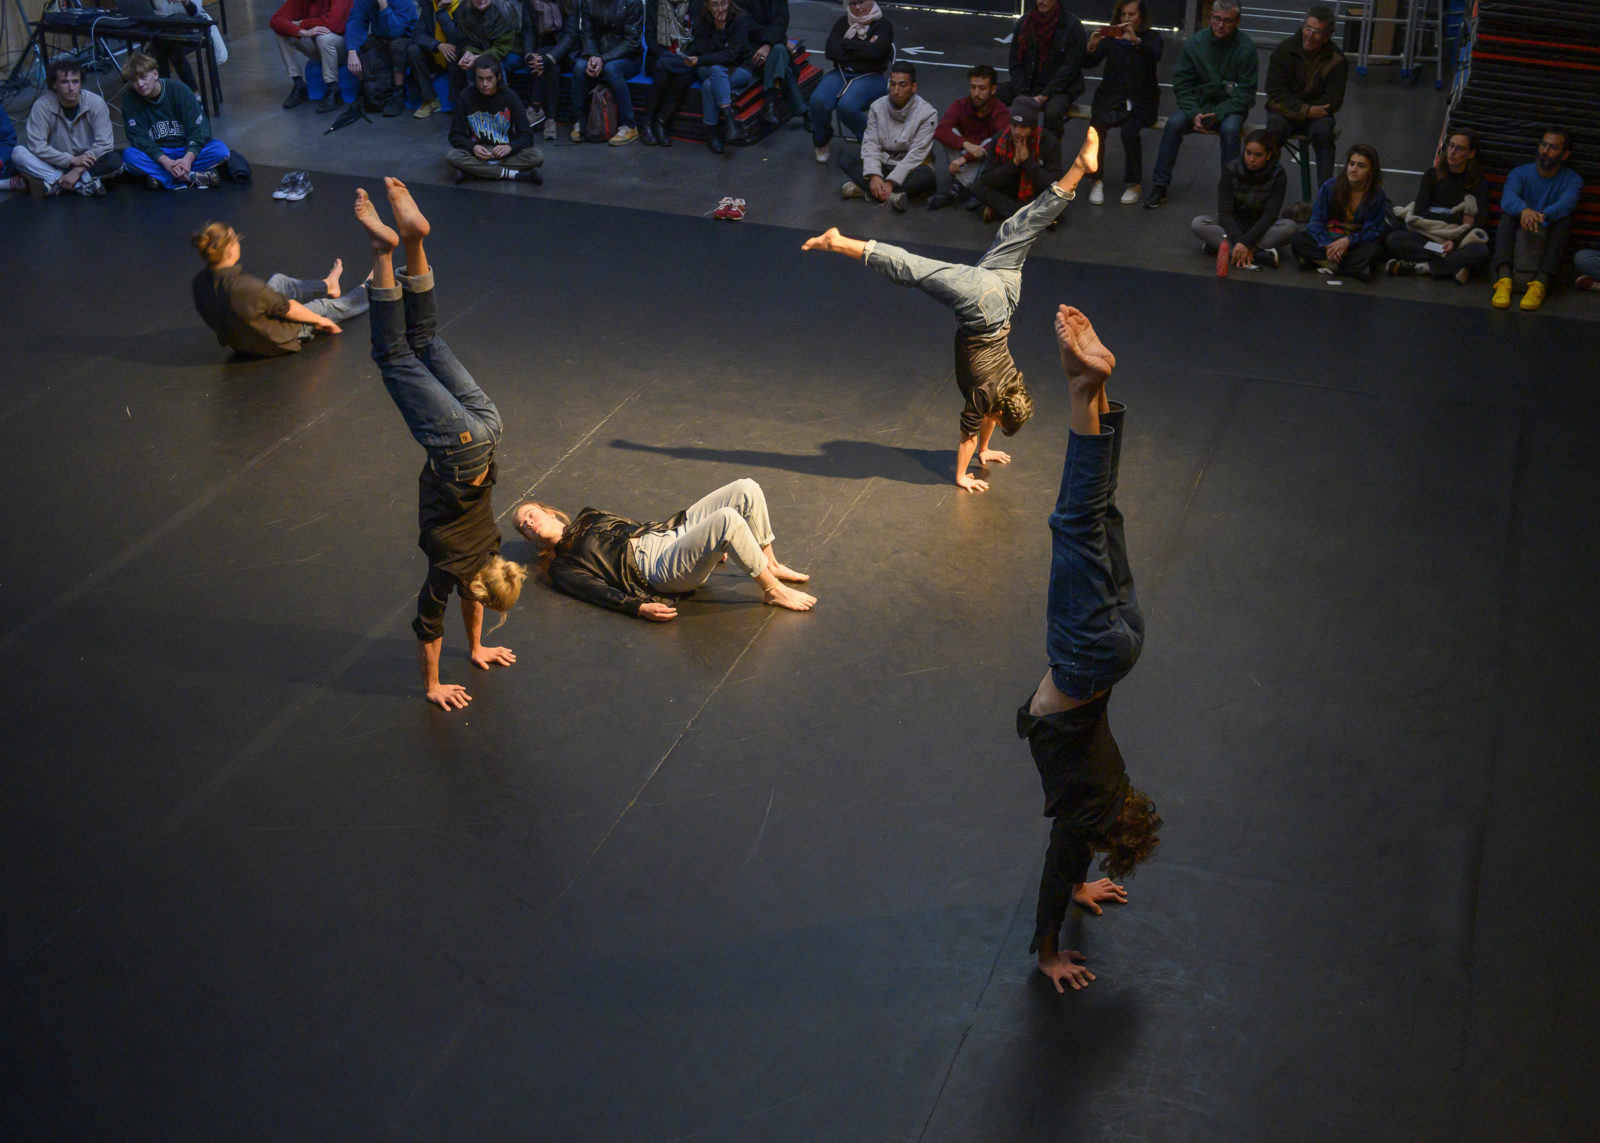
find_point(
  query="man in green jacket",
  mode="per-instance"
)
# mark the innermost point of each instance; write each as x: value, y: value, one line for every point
x: 1215, y: 86
x: 169, y: 136
x: 1306, y: 75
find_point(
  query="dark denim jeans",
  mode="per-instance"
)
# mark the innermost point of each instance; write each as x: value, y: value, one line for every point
x: 850, y: 97
x: 442, y: 405
x: 615, y: 75
x: 1172, y: 138
x: 1094, y: 626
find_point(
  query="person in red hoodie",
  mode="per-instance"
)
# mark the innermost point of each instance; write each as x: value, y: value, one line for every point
x: 313, y: 29
x: 968, y: 126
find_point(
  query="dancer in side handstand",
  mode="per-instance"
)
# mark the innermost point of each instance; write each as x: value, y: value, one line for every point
x: 638, y: 569
x: 1094, y: 633
x: 458, y: 425
x: 983, y: 297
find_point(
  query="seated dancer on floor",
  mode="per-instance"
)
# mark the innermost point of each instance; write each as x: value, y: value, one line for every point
x: 638, y: 568
x: 983, y: 297
x: 265, y: 319
x: 458, y: 425
x: 1094, y: 633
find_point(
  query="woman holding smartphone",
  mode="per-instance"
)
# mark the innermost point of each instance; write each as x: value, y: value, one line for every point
x: 1129, y: 96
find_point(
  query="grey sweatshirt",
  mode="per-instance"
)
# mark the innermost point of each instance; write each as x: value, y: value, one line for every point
x: 901, y: 136
x: 54, y: 140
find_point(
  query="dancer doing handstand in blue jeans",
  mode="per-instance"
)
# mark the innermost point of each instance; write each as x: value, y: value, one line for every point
x: 458, y: 425
x: 1094, y: 633
x: 983, y: 297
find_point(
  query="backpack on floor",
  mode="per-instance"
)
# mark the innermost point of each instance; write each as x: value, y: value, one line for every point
x: 237, y: 168
x: 602, y: 121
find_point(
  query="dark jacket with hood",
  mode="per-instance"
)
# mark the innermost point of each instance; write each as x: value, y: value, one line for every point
x: 594, y: 561
x: 1297, y: 82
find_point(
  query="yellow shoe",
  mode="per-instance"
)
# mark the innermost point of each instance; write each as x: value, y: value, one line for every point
x: 1534, y: 298
x: 577, y: 137
x: 1502, y: 294
x: 426, y: 109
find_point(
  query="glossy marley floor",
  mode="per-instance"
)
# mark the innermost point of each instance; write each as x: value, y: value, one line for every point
x: 758, y: 875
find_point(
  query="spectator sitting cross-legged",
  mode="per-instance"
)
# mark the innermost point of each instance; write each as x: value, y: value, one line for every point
x: 969, y: 126
x: 547, y: 49
x: 489, y: 133
x: 771, y: 50
x: 894, y: 163
x: 610, y: 51
x: 1588, y: 265
x: 1348, y: 219
x: 1247, y: 228
x: 67, y: 143
x: 1021, y: 163
x: 1538, y: 198
x: 1306, y: 76
x: 1046, y: 64
x: 311, y: 30
x: 1128, y: 96
x: 1215, y: 86
x: 860, y: 47
x: 1450, y: 199
x: 169, y: 136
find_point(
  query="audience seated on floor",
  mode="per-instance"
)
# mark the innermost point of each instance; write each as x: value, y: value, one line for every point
x: 1588, y: 266
x: 967, y: 128
x: 382, y: 55
x: 489, y: 133
x: 1128, y: 96
x: 860, y: 47
x: 1247, y: 228
x: 772, y: 51
x: 67, y: 143
x: 1441, y: 235
x: 1020, y: 164
x: 1538, y: 201
x: 1348, y: 219
x: 1215, y: 87
x: 10, y: 178
x: 1046, y: 64
x: 549, y: 41
x: 610, y: 52
x: 895, y: 162
x: 1306, y: 76
x: 169, y: 135
x: 311, y: 30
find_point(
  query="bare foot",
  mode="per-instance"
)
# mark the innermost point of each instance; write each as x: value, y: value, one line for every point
x: 827, y: 240
x: 786, y: 573
x: 788, y: 597
x: 408, y: 218
x: 384, y: 240
x: 1089, y: 153
x: 332, y: 280
x: 1085, y: 360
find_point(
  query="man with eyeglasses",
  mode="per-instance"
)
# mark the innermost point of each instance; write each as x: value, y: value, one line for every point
x: 1306, y: 75
x: 1215, y: 86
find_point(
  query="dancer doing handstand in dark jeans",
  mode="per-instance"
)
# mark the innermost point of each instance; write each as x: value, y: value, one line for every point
x: 1094, y: 633
x: 983, y: 297
x: 458, y: 425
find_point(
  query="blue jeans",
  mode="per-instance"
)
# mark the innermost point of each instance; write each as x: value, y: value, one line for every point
x: 313, y: 294
x: 1587, y: 262
x: 212, y: 154
x: 1172, y: 138
x: 447, y: 413
x: 1094, y: 628
x: 983, y: 296
x: 716, y: 89
x: 615, y: 76
x: 850, y: 97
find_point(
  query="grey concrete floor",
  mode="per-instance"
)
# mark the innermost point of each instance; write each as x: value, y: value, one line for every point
x: 784, y: 186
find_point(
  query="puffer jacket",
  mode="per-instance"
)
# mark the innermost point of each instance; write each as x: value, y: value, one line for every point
x: 594, y: 561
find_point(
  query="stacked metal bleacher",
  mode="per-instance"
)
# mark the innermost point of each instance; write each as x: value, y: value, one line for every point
x: 1525, y: 64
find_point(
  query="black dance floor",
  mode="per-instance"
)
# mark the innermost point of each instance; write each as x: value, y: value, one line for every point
x: 762, y: 876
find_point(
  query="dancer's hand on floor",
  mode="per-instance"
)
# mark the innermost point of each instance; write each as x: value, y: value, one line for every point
x: 1066, y: 966
x: 658, y: 612
x: 485, y: 657
x: 450, y: 696
x: 994, y: 456
x: 972, y: 483
x: 1105, y: 889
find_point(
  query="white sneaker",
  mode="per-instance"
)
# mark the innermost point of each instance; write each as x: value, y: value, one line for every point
x: 822, y: 154
x: 852, y: 189
x: 1097, y: 193
x: 1132, y: 194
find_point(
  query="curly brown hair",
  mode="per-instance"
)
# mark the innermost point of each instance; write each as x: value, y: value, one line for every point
x: 1016, y: 407
x: 1133, y: 837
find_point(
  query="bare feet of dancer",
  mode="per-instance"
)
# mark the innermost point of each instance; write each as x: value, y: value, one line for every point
x: 780, y: 569
x: 413, y: 227
x: 1087, y: 363
x: 1087, y: 163
x: 831, y: 239
x: 383, y: 240
x: 777, y: 595
x: 332, y: 280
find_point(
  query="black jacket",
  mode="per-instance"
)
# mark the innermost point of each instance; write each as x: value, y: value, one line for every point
x: 769, y: 21
x: 1129, y: 77
x: 1249, y: 202
x: 869, y: 56
x: 611, y: 29
x: 459, y: 535
x: 489, y: 120
x: 1295, y: 82
x: 558, y: 45
x: 1063, y: 68
x: 728, y: 45
x: 594, y: 561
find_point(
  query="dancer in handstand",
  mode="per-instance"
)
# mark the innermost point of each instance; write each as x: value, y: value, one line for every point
x: 1094, y: 633
x: 458, y: 425
x: 638, y: 569
x: 983, y: 297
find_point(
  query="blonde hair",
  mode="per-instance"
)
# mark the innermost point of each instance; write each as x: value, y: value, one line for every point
x: 138, y: 64
x: 546, y: 552
x: 213, y: 241
x: 498, y: 583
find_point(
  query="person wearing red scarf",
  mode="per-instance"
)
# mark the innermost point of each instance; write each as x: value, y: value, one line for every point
x: 1047, y: 49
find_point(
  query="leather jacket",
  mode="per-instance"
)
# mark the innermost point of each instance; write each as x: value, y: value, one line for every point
x: 594, y: 561
x: 611, y: 29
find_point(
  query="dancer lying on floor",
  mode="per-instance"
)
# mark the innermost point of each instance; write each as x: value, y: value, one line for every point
x: 458, y: 425
x: 1094, y: 633
x: 637, y: 568
x: 265, y: 319
x: 983, y: 297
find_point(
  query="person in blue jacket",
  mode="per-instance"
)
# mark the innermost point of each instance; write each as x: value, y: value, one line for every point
x: 1539, y: 197
x: 378, y: 33
x: 1348, y: 219
x: 10, y: 179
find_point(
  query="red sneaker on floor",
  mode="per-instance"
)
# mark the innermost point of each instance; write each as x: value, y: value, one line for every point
x: 1223, y: 252
x: 1587, y: 283
x: 730, y: 210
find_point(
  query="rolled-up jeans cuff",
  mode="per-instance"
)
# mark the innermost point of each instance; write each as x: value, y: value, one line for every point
x: 866, y: 251
x: 415, y: 283
x: 383, y: 293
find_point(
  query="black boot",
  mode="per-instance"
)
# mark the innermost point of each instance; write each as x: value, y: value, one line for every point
x: 297, y: 94
x: 649, y: 134
x: 732, y: 130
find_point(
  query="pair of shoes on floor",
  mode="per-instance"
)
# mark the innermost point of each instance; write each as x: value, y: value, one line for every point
x: 90, y: 187
x: 1157, y: 196
x: 331, y: 99
x: 294, y: 186
x: 1531, y: 300
x: 729, y: 210
x: 425, y: 109
x: 1399, y: 268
